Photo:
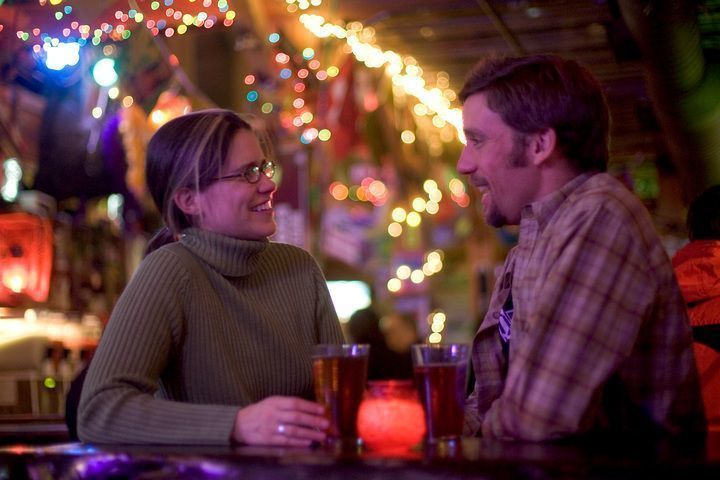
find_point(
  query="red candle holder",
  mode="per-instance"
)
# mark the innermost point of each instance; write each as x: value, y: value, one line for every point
x: 391, y: 418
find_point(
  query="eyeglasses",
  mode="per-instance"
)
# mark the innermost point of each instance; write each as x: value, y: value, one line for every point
x: 252, y: 173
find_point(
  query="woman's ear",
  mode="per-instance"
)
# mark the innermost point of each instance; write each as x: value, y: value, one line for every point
x: 542, y: 145
x: 186, y: 200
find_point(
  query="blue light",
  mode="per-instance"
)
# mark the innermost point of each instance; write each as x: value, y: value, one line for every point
x: 61, y: 55
x: 274, y: 37
x: 285, y: 73
x: 68, y: 9
x: 252, y: 95
x: 104, y: 72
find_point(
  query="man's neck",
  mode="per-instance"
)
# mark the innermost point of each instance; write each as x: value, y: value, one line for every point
x: 554, y: 175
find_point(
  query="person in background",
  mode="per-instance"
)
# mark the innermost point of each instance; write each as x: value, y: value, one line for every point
x: 697, y: 266
x: 401, y: 332
x: 389, y: 357
x: 211, y: 340
x: 586, y: 329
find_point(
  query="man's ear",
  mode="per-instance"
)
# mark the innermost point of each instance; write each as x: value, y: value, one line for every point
x: 542, y: 146
x: 186, y: 200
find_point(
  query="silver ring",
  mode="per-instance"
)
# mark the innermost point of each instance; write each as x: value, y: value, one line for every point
x: 281, y: 429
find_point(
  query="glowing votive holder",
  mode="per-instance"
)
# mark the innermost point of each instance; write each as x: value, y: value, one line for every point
x: 391, y: 418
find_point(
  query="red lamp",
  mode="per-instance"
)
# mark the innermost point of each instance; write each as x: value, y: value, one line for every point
x: 25, y: 258
x: 391, y: 418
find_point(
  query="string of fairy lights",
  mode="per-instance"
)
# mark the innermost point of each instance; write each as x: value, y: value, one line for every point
x: 299, y: 115
x: 405, y: 72
x: 432, y: 111
x: 407, y: 79
x: 218, y: 12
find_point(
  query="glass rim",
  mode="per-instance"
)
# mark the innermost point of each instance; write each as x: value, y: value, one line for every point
x: 340, y: 349
x: 439, y: 346
x: 440, y: 353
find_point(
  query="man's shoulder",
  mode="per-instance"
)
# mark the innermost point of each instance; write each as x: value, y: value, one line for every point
x: 603, y: 205
x: 604, y: 192
x: 604, y: 185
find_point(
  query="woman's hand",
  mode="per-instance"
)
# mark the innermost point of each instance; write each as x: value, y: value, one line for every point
x: 280, y: 421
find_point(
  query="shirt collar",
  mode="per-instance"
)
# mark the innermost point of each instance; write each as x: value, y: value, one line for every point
x: 230, y: 256
x: 543, y: 210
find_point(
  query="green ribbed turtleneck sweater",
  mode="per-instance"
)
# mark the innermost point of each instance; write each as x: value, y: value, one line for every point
x: 205, y: 326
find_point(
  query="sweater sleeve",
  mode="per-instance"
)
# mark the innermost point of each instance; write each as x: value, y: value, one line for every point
x: 118, y: 403
x: 328, y: 325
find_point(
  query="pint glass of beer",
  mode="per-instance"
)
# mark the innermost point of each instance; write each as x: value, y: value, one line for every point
x: 441, y: 375
x: 340, y: 376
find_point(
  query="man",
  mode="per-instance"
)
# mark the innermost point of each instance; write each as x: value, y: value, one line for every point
x: 586, y: 329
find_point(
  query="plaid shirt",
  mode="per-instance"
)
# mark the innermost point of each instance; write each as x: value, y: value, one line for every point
x: 600, y: 339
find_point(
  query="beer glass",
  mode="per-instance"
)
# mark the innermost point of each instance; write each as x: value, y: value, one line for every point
x: 340, y: 375
x: 441, y: 375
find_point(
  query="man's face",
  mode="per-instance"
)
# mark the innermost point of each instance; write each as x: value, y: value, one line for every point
x: 496, y: 161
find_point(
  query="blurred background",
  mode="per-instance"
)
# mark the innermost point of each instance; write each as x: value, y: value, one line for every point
x: 359, y: 99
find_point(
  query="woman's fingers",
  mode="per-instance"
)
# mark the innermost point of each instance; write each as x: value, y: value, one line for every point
x: 317, y: 422
x: 297, y: 404
x: 299, y: 431
x: 281, y: 421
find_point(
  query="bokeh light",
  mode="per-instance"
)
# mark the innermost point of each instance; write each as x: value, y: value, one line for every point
x: 407, y: 136
x: 395, y: 229
x: 399, y: 214
x: 413, y: 219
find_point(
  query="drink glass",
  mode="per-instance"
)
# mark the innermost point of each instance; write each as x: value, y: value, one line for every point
x: 340, y: 375
x: 441, y: 375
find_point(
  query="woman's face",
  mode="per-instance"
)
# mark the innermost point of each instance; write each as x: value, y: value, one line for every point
x: 234, y: 206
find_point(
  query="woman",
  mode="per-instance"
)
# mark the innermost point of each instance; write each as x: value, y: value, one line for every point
x: 211, y: 340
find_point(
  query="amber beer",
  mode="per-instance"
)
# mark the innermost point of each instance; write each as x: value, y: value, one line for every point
x: 340, y: 376
x: 442, y: 393
x: 440, y: 375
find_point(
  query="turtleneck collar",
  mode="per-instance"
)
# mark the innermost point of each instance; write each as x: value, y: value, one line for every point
x: 230, y: 256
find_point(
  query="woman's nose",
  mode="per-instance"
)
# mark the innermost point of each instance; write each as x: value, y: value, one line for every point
x: 266, y: 184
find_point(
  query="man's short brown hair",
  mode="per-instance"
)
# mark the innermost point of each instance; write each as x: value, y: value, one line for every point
x: 534, y: 93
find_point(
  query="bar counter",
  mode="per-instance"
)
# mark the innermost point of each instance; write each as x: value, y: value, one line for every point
x: 596, y: 458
